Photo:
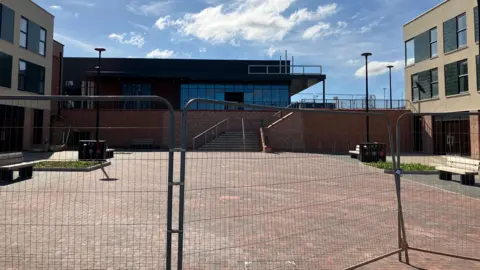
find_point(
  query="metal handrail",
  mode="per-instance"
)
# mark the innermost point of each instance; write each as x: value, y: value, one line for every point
x: 206, y: 132
x: 287, y: 69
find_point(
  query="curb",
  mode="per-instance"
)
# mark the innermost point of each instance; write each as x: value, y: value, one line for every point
x: 413, y: 172
x: 89, y: 169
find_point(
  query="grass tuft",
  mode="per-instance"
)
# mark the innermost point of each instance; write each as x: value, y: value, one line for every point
x: 405, y: 167
x: 67, y: 164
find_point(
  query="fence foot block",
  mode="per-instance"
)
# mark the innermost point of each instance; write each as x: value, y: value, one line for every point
x: 445, y: 176
x: 468, y: 179
x: 6, y: 176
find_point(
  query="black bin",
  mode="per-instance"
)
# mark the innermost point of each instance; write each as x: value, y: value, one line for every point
x: 372, y: 152
x: 92, y: 150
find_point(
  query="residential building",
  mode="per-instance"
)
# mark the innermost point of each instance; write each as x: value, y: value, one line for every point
x: 26, y: 45
x: 441, y: 75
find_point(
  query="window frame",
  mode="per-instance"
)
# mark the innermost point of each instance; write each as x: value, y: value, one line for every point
x: 1, y: 13
x: 415, y: 86
x: 433, y: 42
x: 462, y: 77
x: 22, y: 75
x: 461, y: 30
x: 406, y: 52
x: 22, y: 32
x: 40, y: 41
x: 432, y: 83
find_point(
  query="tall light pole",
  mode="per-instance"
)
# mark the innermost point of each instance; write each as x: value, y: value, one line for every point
x: 366, y: 55
x: 97, y: 91
x: 390, y: 71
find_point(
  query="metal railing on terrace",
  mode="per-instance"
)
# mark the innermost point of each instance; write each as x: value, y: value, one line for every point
x: 352, y: 104
x: 285, y: 69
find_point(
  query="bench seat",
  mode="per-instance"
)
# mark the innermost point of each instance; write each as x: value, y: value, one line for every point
x: 465, y: 167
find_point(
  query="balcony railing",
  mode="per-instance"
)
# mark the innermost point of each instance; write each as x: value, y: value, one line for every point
x: 285, y: 69
x: 353, y: 104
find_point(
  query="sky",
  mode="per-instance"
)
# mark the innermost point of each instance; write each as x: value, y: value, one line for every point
x: 330, y: 33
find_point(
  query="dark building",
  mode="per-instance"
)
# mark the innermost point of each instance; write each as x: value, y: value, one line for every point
x: 269, y: 83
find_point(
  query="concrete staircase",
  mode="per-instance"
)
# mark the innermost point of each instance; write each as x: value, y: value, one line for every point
x: 232, y: 141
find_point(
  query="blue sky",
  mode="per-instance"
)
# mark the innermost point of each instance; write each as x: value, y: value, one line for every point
x: 317, y: 32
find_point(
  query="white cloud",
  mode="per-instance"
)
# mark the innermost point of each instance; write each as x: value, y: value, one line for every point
x: 370, y: 26
x: 56, y: 7
x: 141, y: 26
x: 323, y: 30
x: 131, y: 38
x: 156, y: 8
x: 76, y: 15
x: 157, y: 53
x: 353, y: 62
x: 253, y: 20
x: 81, y: 3
x: 356, y: 15
x: 378, y: 68
x: 67, y: 40
x: 271, y: 51
x: 202, y: 50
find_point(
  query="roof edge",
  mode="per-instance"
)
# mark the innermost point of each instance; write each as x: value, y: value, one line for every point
x: 44, y: 10
x: 426, y: 12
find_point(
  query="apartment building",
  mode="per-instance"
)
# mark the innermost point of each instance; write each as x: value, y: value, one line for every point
x: 26, y: 47
x: 441, y: 75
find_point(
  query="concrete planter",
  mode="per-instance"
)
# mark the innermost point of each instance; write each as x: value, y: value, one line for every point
x: 88, y: 169
x: 413, y: 172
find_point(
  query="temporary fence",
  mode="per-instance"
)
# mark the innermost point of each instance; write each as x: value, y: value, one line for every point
x: 81, y: 208
x: 439, y: 154
x: 306, y: 206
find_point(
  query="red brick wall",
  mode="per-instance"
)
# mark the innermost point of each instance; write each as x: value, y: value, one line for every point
x: 475, y: 136
x: 302, y: 131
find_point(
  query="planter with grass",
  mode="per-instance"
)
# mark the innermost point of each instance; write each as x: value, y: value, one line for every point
x: 70, y: 166
x: 407, y: 168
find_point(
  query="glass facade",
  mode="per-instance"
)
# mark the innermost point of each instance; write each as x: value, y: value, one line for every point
x: 268, y: 95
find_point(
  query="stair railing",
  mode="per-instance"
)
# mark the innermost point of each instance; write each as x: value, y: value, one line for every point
x: 214, y: 131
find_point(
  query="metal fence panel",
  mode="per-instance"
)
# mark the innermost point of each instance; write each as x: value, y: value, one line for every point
x: 90, y: 218
x: 441, y: 215
x: 307, y: 205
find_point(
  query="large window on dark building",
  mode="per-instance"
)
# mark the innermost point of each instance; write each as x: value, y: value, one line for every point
x: 425, y: 85
x: 268, y: 95
x: 455, y: 33
x: 7, y: 21
x: 456, y: 78
x: 137, y: 89
x: 31, y: 77
x: 410, y: 52
x: 5, y: 70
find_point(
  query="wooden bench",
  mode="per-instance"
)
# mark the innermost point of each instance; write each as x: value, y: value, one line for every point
x: 355, y: 153
x: 11, y: 162
x: 465, y: 167
x: 142, y: 143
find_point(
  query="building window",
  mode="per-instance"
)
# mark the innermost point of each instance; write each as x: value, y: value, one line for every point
x: 410, y: 52
x: 7, y: 21
x: 461, y: 31
x: 31, y: 77
x: 433, y: 43
x: 268, y: 95
x: 24, y: 33
x: 5, y: 70
x: 415, y: 92
x: 434, y: 82
x: 136, y: 89
x: 43, y: 40
x: 22, y: 68
x: 463, y: 76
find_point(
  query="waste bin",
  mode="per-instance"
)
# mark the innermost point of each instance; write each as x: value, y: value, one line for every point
x: 92, y: 150
x: 372, y: 152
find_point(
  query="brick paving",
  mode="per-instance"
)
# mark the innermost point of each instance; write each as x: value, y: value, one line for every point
x: 243, y: 211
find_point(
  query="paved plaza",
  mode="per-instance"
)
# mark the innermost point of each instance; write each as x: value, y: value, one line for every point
x: 242, y: 211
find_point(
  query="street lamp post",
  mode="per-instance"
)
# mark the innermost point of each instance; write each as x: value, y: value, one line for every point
x: 390, y: 71
x: 366, y: 55
x: 97, y: 91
